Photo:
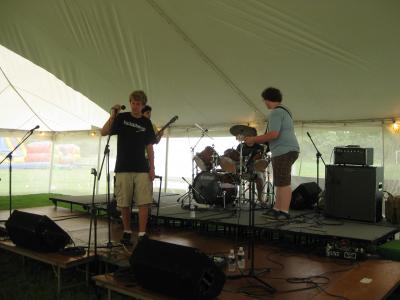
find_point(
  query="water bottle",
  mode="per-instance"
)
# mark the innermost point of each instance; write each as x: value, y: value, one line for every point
x: 241, y: 259
x: 231, y: 261
x: 192, y: 210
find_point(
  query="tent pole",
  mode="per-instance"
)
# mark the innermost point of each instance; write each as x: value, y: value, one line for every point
x: 166, y: 161
x: 53, y: 142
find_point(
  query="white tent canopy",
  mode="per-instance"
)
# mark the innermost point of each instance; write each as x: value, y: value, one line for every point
x: 208, y: 61
x: 31, y: 96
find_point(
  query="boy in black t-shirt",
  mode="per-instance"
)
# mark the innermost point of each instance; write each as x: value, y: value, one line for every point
x: 134, y: 173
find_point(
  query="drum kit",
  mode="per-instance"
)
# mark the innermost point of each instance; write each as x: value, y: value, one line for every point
x: 219, y: 178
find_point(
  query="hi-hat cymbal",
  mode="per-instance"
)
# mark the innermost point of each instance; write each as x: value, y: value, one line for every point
x: 242, y: 130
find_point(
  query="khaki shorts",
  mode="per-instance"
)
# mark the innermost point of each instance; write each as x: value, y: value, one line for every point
x: 282, y: 168
x: 129, y: 184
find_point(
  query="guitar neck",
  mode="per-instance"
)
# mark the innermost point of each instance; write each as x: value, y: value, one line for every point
x: 167, y: 125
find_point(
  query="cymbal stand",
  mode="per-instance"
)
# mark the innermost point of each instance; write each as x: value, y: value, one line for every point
x: 188, y: 194
x: 242, y: 191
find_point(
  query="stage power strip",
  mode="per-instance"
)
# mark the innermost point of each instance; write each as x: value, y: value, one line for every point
x: 338, y: 250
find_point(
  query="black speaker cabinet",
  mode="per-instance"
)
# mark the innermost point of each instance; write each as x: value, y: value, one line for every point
x: 305, y: 196
x: 354, y: 192
x: 36, y: 232
x: 178, y: 271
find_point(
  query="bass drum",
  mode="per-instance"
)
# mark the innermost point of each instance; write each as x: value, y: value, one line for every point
x: 210, y: 188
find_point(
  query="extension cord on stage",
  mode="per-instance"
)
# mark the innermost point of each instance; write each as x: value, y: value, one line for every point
x: 338, y: 250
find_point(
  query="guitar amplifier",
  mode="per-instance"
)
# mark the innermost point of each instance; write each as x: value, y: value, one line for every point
x: 353, y: 155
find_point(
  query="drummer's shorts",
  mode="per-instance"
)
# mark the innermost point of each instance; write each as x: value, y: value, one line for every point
x: 282, y: 168
x: 133, y: 184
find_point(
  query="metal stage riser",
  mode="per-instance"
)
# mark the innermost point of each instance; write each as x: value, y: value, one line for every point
x: 268, y: 235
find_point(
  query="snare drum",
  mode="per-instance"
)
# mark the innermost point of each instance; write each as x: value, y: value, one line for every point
x: 229, y: 160
x: 204, y: 158
x: 212, y: 188
x: 258, y: 163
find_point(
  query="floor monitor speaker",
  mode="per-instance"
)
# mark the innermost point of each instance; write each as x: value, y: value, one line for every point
x: 36, y: 232
x: 305, y: 196
x: 178, y: 271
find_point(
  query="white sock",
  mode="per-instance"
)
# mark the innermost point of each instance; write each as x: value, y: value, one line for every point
x: 285, y: 211
x: 128, y: 231
x: 142, y: 233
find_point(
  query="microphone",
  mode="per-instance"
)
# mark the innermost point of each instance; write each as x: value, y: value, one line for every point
x: 36, y: 127
x: 122, y: 107
x: 201, y: 128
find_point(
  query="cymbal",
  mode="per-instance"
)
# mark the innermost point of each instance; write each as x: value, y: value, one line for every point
x: 243, y: 130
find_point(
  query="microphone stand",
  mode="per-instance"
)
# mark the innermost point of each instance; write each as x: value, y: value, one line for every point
x: 9, y: 156
x: 318, y: 155
x: 93, y: 217
x: 106, y: 158
x: 251, y: 254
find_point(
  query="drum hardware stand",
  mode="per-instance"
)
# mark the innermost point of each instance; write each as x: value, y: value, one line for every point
x: 188, y: 195
x: 270, y: 193
x: 9, y: 156
x: 215, y: 159
x: 318, y: 155
x: 224, y: 198
x: 241, y: 183
x: 192, y: 152
x: 251, y: 255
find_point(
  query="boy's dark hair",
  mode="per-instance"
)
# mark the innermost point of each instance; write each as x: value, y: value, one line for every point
x: 272, y: 94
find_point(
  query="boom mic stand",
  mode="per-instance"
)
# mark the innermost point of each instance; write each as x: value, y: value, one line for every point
x: 251, y: 255
x: 106, y: 158
x: 188, y: 194
x: 318, y: 155
x: 9, y: 156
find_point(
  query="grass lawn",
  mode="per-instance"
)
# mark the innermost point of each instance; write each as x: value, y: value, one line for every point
x: 33, y: 200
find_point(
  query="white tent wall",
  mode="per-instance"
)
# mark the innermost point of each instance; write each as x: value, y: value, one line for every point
x: 62, y: 162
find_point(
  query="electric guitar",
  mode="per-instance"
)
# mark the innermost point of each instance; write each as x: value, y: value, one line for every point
x: 166, y: 126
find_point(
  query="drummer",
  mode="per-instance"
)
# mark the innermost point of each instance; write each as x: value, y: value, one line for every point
x: 250, y: 151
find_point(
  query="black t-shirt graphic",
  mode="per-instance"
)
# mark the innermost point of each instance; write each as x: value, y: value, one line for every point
x: 134, y: 134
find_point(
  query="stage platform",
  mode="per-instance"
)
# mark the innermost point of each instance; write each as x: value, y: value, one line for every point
x: 304, y: 227
x: 344, y: 278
